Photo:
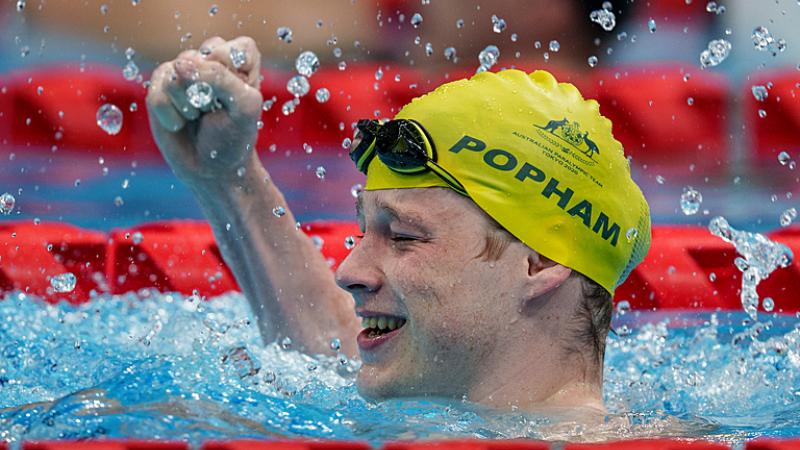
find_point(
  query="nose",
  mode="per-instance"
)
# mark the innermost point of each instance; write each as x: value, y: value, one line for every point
x: 359, y: 272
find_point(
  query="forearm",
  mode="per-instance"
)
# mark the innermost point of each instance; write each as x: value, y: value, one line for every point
x: 289, y: 285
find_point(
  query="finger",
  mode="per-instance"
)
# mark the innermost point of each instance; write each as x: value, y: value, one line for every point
x: 177, y: 89
x: 238, y: 97
x: 209, y: 44
x: 243, y: 52
x: 159, y: 103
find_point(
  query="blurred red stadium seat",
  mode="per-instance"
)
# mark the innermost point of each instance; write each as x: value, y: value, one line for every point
x: 654, y: 120
x: 779, y: 130
x: 773, y: 444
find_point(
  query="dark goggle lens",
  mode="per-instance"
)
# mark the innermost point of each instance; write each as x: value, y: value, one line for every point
x: 401, y: 147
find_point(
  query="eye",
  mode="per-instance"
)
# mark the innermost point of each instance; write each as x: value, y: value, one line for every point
x: 403, y: 238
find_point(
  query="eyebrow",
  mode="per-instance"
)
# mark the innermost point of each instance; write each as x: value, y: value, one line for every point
x: 408, y: 217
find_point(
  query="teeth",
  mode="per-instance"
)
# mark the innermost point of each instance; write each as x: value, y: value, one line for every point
x: 382, y: 322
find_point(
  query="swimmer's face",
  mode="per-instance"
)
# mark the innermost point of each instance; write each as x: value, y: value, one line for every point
x: 419, y: 266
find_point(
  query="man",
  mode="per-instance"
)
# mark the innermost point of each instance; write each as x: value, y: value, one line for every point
x: 492, y: 241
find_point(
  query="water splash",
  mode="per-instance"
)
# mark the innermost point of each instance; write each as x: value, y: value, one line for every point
x: 760, y: 257
x: 284, y: 34
x: 488, y: 57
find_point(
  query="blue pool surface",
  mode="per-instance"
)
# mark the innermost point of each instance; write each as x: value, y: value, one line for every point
x: 167, y: 366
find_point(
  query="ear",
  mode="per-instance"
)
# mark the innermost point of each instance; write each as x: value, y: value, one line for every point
x: 544, y: 275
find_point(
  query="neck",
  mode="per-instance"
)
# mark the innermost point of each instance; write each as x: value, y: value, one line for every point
x: 535, y: 375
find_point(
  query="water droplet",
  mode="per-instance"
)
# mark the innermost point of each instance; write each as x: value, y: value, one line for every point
x: 286, y: 343
x: 450, y: 54
x: 320, y: 172
x: 200, y: 94
x: 651, y: 25
x: 349, y: 242
x: 356, y: 189
x: 498, y: 24
x: 428, y: 49
x: 537, y: 45
x: 336, y: 344
x: 488, y: 56
x: 308, y: 149
x: 623, y: 307
x: 7, y: 202
x: 659, y: 179
x: 288, y: 107
x: 514, y: 37
x: 267, y: 105
x: 130, y: 71
x: 416, y: 20
x: 298, y: 85
x: 129, y: 53
x: 712, y: 277
x: 213, y: 10
x: 605, y: 18
x: 306, y: 63
x: 554, y: 46
x: 762, y: 39
x: 279, y: 211
x: 631, y: 234
x: 109, y: 118
x: 717, y: 51
x: 137, y: 237
x: 690, y: 200
x: 690, y: 101
x: 760, y: 93
x: 783, y: 158
x: 768, y: 303
x: 623, y: 331
x: 104, y: 9
x: 592, y: 61
x: 711, y: 7
x: 460, y: 23
x: 20, y: 5
x: 284, y: 34
x: 347, y: 143
x: 762, y: 113
x: 322, y: 95
x: 63, y: 283
x: 788, y: 216
x: 238, y: 57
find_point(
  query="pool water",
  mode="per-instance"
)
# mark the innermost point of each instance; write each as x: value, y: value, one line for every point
x: 168, y: 366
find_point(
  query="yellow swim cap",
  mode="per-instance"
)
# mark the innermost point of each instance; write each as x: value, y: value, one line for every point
x: 541, y: 161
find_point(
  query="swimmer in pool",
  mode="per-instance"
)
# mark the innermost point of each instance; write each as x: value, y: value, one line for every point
x: 498, y: 217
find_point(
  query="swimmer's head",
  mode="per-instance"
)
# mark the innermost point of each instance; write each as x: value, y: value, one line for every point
x: 555, y: 224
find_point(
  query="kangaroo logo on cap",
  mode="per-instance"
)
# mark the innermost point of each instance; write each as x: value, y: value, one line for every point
x: 570, y: 132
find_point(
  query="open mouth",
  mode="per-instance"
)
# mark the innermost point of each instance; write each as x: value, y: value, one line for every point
x: 378, y: 329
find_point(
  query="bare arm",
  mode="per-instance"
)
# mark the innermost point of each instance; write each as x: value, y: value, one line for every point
x: 289, y: 286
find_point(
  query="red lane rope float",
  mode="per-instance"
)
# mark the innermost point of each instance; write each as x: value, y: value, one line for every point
x: 468, y: 444
x: 773, y: 444
x: 649, y: 444
x: 300, y: 444
x: 686, y: 267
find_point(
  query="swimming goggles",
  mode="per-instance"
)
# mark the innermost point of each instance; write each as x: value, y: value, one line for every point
x: 402, y: 145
